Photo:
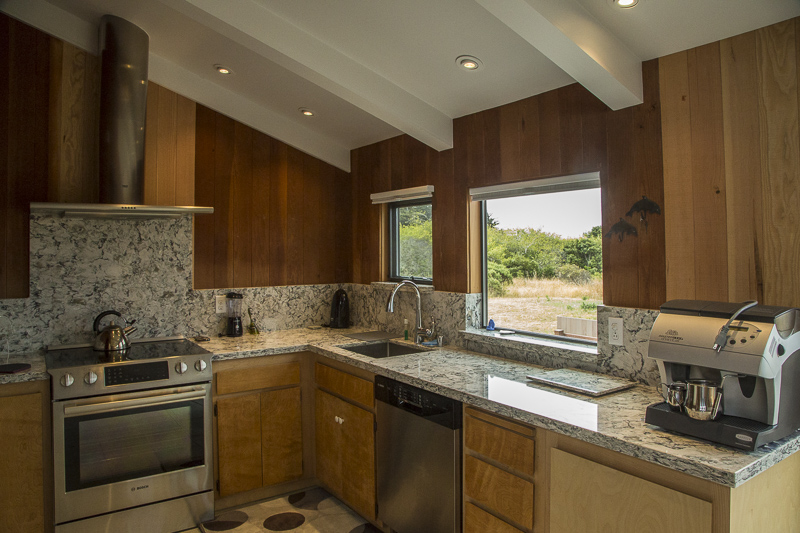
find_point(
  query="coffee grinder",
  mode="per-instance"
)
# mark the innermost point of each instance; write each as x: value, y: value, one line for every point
x: 233, y: 303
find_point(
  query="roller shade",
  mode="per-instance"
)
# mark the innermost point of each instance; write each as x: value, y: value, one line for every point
x: 572, y: 182
x: 400, y: 195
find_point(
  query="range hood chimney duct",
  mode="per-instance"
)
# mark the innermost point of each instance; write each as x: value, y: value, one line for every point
x: 124, y: 51
x: 124, y: 56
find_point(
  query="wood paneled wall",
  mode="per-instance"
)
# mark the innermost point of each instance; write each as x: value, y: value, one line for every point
x: 561, y: 132
x: 169, y: 148
x: 281, y: 217
x: 24, y: 111
x: 732, y: 168
x: 399, y: 163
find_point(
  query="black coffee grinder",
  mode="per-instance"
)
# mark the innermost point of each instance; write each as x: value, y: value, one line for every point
x: 234, y: 305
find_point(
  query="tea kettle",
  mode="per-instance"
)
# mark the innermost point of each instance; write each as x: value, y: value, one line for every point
x: 112, y: 338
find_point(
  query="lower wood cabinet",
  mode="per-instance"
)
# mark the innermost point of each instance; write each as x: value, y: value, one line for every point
x: 345, y: 440
x: 498, y: 474
x: 587, y: 496
x: 259, y: 429
x: 25, y: 458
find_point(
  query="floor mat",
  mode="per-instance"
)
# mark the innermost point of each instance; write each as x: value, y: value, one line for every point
x: 311, y: 511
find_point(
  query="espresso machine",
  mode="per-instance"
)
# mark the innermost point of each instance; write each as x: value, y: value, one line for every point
x: 730, y: 372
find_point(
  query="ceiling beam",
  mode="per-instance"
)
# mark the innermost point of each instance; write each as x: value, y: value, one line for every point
x: 252, y: 25
x: 575, y: 41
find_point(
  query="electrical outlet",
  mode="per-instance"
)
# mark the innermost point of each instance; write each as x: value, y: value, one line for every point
x: 220, y: 303
x: 615, y: 327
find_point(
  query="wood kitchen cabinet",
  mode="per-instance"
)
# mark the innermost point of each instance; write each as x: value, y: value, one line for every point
x: 259, y: 416
x: 345, y: 438
x: 26, y: 474
x: 498, y: 474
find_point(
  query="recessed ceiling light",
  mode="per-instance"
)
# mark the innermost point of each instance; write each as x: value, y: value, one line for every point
x: 222, y: 70
x: 468, y: 62
x: 306, y: 111
x: 625, y: 4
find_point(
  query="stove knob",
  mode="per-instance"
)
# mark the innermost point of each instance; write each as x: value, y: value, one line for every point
x: 181, y: 367
x: 200, y: 365
x: 90, y: 378
x: 67, y: 380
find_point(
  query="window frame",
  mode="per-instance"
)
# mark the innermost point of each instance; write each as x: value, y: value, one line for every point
x: 484, y: 214
x: 394, y: 240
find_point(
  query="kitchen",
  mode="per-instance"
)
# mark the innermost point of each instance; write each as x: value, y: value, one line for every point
x: 685, y: 147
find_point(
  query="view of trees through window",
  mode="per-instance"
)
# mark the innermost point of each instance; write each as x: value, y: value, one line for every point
x: 544, y: 261
x: 415, y: 241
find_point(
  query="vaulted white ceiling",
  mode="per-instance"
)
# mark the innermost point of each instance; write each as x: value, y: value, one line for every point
x: 372, y: 69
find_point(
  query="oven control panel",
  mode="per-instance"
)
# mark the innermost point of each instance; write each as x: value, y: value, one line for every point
x: 136, y: 373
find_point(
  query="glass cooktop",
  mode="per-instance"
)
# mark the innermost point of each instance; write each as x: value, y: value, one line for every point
x: 138, y: 351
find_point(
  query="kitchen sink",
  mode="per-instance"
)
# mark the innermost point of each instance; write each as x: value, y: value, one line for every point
x: 383, y: 349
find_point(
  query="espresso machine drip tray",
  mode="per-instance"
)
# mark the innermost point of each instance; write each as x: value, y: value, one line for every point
x: 741, y: 433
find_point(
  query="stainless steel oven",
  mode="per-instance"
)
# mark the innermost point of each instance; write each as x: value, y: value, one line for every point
x: 132, y: 439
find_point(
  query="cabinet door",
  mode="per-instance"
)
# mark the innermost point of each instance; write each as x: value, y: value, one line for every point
x: 328, y: 442
x: 22, y: 478
x: 358, y: 458
x: 589, y: 497
x: 281, y: 436
x: 239, y: 443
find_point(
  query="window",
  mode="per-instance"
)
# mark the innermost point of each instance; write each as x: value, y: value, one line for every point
x: 411, y: 241
x: 542, y: 252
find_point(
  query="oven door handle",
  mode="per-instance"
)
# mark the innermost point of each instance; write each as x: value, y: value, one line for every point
x: 110, y: 407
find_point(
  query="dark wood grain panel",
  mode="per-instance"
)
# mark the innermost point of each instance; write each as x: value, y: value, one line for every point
x: 312, y: 219
x: 549, y: 134
x: 512, y: 122
x: 593, y: 129
x: 223, y: 202
x: 204, y: 244
x: 185, y: 126
x: 151, y: 145
x: 649, y: 176
x: 166, y: 158
x: 28, y: 103
x: 278, y: 214
x: 708, y: 173
x: 571, y: 129
x: 327, y: 224
x: 490, y: 122
x: 342, y: 207
x: 5, y: 110
x: 530, y: 152
x: 260, y: 209
x: 296, y: 211
x: 241, y: 205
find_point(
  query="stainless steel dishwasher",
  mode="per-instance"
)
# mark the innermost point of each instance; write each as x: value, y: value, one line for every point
x: 418, y: 442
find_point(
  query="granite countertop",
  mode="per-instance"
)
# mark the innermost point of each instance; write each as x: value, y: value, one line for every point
x: 615, y: 421
x: 37, y: 372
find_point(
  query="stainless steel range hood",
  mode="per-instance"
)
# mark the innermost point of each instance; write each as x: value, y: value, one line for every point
x: 124, y: 49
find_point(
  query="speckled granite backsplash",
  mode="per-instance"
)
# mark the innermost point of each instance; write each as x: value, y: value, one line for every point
x: 143, y: 268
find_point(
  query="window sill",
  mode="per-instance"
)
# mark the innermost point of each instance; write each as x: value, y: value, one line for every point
x: 577, y: 351
x: 391, y: 284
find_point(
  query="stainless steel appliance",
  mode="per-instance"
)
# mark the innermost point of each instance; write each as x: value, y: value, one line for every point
x: 418, y: 443
x: 132, y: 437
x: 741, y: 367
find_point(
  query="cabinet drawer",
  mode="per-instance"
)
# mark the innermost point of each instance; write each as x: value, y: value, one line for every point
x: 496, y: 489
x: 257, y: 377
x: 505, y: 447
x: 476, y: 520
x: 345, y: 385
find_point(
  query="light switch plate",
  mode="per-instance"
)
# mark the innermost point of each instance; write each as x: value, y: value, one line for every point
x: 220, y: 304
x: 615, y: 328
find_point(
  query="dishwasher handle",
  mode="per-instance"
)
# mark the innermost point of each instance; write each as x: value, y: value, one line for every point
x: 411, y: 407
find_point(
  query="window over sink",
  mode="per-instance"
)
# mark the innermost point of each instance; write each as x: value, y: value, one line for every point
x: 411, y: 241
x: 542, y: 256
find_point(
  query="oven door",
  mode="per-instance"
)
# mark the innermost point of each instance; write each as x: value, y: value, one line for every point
x: 126, y: 450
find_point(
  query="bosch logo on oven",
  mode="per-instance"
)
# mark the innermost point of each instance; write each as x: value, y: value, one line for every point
x: 140, y: 487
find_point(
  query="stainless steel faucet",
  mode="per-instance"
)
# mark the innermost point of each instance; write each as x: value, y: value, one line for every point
x: 419, y: 330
